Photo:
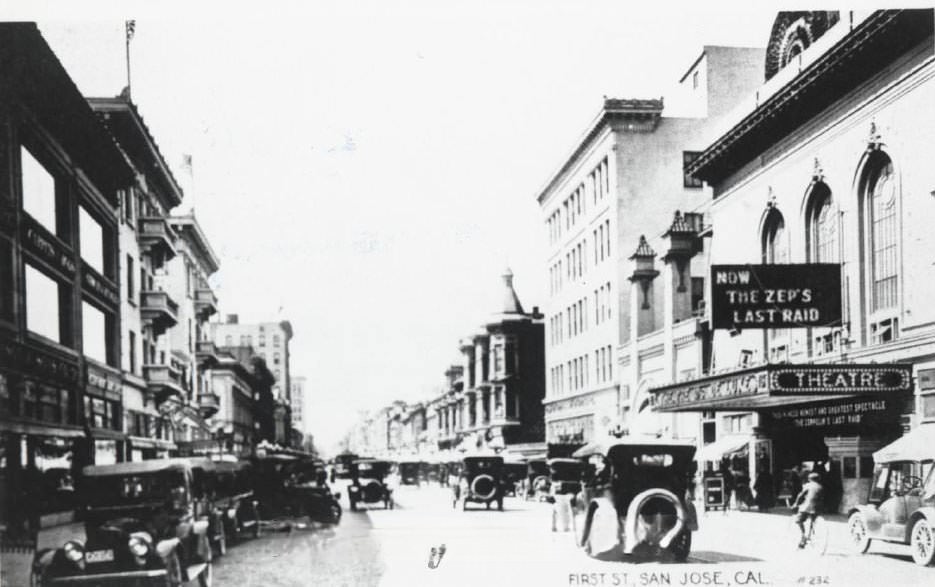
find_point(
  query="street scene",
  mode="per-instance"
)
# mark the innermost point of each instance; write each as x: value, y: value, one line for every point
x: 427, y: 293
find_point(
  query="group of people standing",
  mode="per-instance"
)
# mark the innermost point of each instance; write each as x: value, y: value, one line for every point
x: 766, y: 492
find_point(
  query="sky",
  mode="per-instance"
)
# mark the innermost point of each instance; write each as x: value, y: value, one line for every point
x: 367, y: 172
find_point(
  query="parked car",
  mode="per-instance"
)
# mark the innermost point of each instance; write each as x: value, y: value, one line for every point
x: 309, y: 494
x: 369, y: 484
x: 145, y: 523
x: 482, y: 481
x: 640, y: 503
x: 565, y: 476
x: 900, y: 506
x: 537, y: 479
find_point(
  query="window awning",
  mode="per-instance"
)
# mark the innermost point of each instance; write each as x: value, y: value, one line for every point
x: 726, y: 445
x: 917, y: 445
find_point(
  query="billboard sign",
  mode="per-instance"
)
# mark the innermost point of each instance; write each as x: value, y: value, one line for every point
x: 775, y: 296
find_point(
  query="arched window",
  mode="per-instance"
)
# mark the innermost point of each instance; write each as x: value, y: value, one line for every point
x: 822, y: 226
x: 880, y: 245
x: 775, y: 247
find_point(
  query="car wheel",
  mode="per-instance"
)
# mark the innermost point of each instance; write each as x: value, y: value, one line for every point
x: 206, y: 578
x: 335, y: 512
x: 922, y: 542
x: 857, y: 529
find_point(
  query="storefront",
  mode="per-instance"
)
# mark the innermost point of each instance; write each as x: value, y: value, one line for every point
x: 800, y: 417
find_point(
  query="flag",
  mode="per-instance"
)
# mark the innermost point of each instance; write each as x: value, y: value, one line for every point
x: 131, y: 28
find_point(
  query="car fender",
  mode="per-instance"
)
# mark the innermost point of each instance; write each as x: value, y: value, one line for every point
x: 602, y: 526
x: 924, y: 513
x: 630, y: 538
x: 873, y: 519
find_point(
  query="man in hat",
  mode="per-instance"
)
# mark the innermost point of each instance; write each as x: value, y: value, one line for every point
x: 808, y: 505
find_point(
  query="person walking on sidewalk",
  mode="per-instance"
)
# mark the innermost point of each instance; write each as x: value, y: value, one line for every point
x: 808, y: 505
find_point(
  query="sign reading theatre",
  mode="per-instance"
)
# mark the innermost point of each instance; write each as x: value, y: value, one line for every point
x: 775, y: 296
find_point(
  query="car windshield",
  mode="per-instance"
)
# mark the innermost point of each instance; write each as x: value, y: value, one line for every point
x: 372, y: 469
x: 130, y: 489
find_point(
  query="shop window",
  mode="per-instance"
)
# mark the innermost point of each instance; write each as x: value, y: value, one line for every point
x: 53, y: 485
x: 39, y: 198
x: 43, y: 311
x: 866, y: 467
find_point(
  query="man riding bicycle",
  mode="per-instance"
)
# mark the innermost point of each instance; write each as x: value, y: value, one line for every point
x: 808, y: 505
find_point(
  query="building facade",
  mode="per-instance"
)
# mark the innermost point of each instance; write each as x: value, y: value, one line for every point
x: 299, y: 403
x: 271, y: 342
x: 61, y: 404
x: 624, y: 178
x: 828, y: 163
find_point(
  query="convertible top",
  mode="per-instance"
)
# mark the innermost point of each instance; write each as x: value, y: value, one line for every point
x: 602, y: 447
x: 150, y: 466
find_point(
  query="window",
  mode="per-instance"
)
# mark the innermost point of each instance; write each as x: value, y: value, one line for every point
x: 126, y: 196
x: 93, y: 332
x: 132, y: 349
x: 38, y: 191
x: 822, y: 226
x: 131, y: 290
x: 276, y: 358
x: 687, y: 157
x: 275, y: 340
x: 261, y: 339
x: 883, y: 237
x: 91, y: 238
x: 42, y: 304
x: 775, y: 249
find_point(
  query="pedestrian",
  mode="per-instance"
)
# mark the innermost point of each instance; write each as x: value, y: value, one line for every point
x: 765, y: 491
x: 808, y: 505
x: 728, y: 476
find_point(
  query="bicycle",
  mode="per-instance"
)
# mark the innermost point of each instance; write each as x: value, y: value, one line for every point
x: 815, y: 540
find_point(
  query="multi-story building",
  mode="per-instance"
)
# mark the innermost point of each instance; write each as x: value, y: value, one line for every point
x: 299, y: 405
x: 271, y: 341
x: 147, y: 243
x: 61, y: 403
x: 624, y: 178
x: 245, y: 410
x: 827, y: 162
x: 494, y: 399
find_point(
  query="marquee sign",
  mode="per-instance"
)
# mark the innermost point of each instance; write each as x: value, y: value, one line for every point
x: 746, y: 388
x: 775, y: 296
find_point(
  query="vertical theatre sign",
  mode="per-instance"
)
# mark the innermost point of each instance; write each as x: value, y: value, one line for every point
x: 775, y: 296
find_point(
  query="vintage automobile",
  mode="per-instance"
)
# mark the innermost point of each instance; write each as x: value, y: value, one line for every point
x: 145, y: 523
x: 369, y: 484
x: 900, y: 506
x: 537, y: 479
x: 639, y: 504
x: 565, y: 476
x: 288, y: 486
x: 482, y: 481
x: 229, y: 501
x: 409, y: 472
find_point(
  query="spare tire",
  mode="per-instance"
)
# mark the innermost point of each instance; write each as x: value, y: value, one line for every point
x: 373, y: 491
x: 484, y: 487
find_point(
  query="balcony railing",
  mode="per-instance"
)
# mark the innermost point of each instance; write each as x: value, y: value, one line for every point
x: 163, y: 381
x: 159, y: 309
x: 206, y: 303
x: 157, y: 239
x: 206, y: 352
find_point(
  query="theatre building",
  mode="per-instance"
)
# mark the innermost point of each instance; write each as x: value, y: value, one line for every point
x: 830, y: 164
x: 60, y: 382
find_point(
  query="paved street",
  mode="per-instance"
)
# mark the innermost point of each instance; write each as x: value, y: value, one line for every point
x: 380, y: 547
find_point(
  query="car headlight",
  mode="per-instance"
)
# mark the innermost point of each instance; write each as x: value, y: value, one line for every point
x: 139, y: 544
x: 74, y: 551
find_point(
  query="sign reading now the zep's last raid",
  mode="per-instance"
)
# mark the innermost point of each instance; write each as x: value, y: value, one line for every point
x: 775, y: 296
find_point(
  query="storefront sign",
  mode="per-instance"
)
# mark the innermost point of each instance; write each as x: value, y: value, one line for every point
x: 837, y: 414
x: 775, y: 296
x: 758, y: 383
x: 729, y: 386
x: 926, y: 379
x: 99, y: 286
x: 40, y: 364
x: 103, y: 382
x: 849, y: 379
x: 570, y: 404
x: 42, y: 244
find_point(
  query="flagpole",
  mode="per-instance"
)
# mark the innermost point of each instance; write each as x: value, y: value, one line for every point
x: 129, y: 30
